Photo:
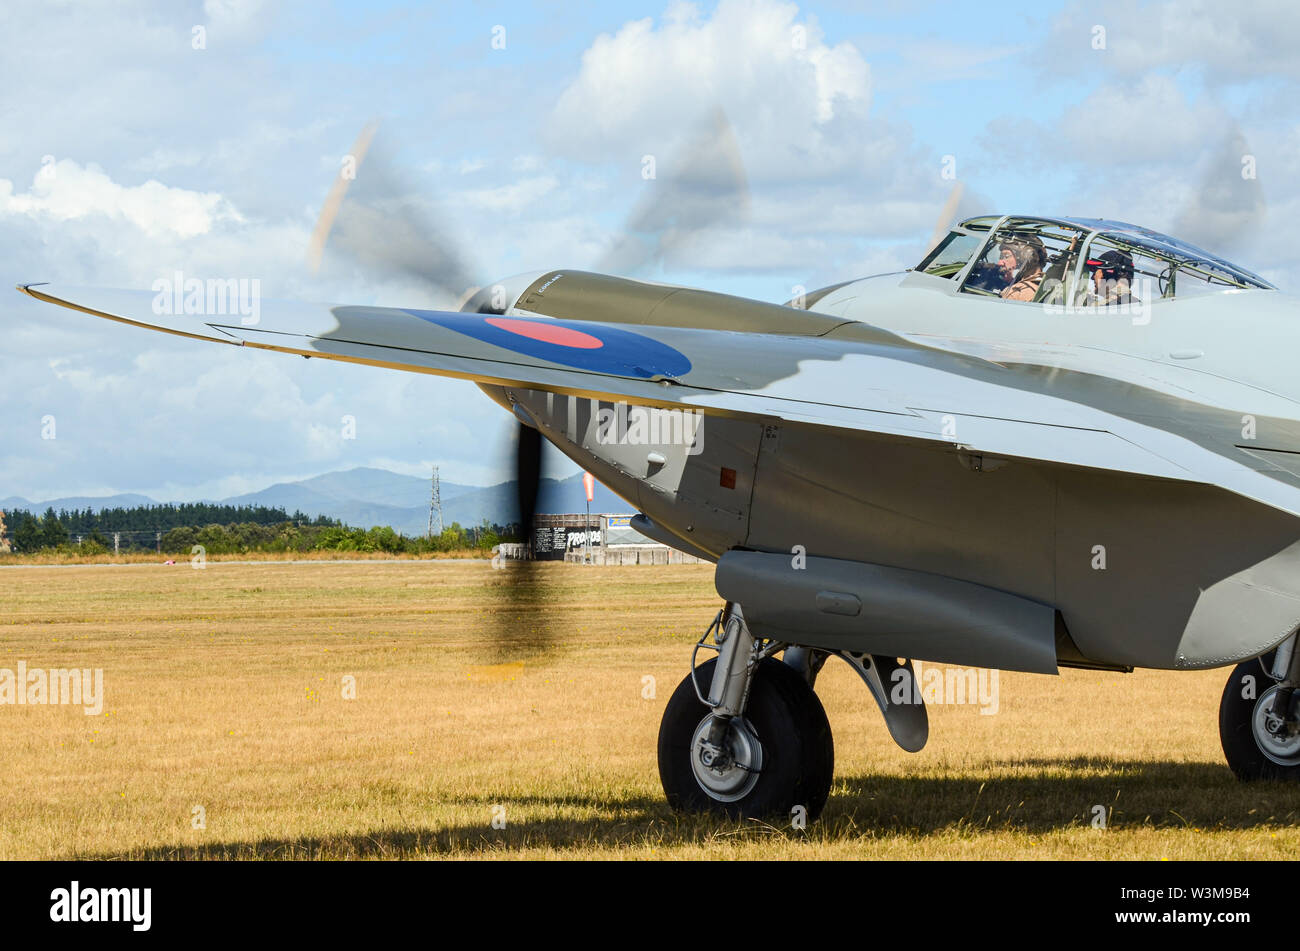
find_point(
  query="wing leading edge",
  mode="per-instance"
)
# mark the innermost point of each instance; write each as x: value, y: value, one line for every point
x: 888, y: 385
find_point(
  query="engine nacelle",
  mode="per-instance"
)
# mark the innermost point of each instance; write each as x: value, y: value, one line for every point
x: 500, y: 297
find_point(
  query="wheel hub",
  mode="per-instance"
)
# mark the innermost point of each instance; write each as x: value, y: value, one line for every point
x: 1277, y: 735
x: 729, y: 770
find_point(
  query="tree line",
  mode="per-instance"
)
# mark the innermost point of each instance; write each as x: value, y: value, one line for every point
x: 224, y: 529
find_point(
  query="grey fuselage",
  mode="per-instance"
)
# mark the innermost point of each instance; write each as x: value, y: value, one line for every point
x: 1136, y: 571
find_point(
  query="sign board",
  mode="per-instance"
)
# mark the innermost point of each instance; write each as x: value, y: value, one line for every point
x: 550, y: 544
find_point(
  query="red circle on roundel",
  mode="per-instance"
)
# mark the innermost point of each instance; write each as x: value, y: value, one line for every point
x: 547, y: 332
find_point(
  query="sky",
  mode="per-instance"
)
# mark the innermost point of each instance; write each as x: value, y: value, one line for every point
x: 140, y: 138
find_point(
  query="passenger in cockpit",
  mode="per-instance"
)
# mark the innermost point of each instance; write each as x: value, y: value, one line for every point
x: 1112, y: 279
x: 1020, y: 262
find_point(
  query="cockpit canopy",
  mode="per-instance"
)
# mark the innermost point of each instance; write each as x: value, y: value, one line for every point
x: 1078, y: 261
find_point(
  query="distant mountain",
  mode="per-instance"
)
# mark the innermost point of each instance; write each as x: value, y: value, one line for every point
x: 365, y: 496
x: 126, y: 500
x: 361, y: 496
x: 361, y: 484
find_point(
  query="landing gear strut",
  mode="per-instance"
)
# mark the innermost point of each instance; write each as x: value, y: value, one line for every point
x: 757, y: 744
x: 1259, y: 723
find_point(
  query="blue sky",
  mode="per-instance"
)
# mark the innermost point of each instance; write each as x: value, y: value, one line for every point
x: 126, y: 153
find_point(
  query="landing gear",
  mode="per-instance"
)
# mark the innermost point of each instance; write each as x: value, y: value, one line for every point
x: 756, y: 745
x: 1259, y: 719
x: 778, y: 756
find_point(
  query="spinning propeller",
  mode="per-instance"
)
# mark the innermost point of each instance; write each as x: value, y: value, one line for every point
x: 374, y: 221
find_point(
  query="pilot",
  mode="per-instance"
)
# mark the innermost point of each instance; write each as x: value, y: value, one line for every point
x: 1112, y: 279
x: 1020, y: 262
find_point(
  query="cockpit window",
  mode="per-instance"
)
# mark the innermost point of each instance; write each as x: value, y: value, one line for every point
x: 951, y: 254
x: 1116, y: 274
x: 1028, y: 260
x: 1163, y: 271
x: 1080, y: 262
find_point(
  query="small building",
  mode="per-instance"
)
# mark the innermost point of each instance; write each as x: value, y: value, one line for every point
x: 612, y: 540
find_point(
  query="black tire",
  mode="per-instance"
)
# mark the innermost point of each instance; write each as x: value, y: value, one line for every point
x: 1236, y: 711
x: 791, y: 726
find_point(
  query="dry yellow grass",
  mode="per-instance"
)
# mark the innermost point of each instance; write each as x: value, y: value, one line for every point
x: 224, y: 690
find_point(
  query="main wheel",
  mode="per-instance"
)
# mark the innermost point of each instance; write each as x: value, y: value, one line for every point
x: 777, y: 757
x: 1258, y: 743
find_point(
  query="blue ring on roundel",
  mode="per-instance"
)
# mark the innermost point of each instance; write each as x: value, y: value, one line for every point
x: 622, y: 352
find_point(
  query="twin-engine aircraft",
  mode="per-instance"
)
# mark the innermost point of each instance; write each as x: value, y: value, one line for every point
x: 1055, y: 442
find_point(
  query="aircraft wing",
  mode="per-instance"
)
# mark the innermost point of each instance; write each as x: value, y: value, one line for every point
x: 856, y: 378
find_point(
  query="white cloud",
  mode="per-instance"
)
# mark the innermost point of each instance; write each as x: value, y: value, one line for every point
x: 1138, y: 120
x: 786, y: 90
x: 64, y: 191
x: 1227, y: 42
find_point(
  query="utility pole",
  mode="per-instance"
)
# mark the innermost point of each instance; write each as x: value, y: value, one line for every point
x: 435, y: 503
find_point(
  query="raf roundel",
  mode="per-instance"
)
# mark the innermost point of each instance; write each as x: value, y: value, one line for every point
x: 577, y: 344
x: 547, y: 332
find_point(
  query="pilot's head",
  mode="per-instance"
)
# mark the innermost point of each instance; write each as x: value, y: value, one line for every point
x: 1021, y: 256
x: 1109, y: 268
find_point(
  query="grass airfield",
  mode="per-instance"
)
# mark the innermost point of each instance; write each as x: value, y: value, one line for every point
x: 224, y: 690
